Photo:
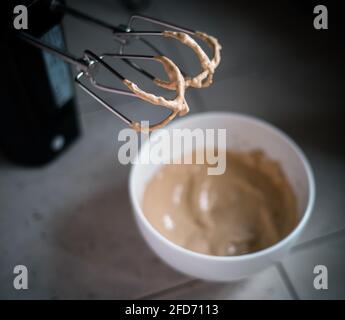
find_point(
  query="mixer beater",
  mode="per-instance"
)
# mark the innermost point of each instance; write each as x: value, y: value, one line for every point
x: 90, y: 63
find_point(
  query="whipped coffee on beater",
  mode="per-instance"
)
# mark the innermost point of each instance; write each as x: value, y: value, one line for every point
x: 248, y: 208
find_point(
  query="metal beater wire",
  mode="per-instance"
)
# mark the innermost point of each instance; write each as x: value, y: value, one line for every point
x: 86, y: 65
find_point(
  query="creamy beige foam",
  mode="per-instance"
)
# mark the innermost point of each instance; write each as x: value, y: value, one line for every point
x: 248, y: 208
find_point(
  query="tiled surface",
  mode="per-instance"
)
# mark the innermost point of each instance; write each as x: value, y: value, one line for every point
x: 328, y: 214
x: 265, y: 285
x: 301, y: 262
x: 71, y: 223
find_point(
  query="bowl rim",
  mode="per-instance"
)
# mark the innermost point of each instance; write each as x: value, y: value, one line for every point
x: 257, y: 121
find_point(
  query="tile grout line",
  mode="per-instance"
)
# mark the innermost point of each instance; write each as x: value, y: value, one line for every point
x: 167, y: 290
x: 287, y: 281
x: 280, y: 268
x: 332, y: 236
x: 313, y: 242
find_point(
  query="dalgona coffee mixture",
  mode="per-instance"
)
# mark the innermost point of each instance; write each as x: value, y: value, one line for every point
x: 248, y: 208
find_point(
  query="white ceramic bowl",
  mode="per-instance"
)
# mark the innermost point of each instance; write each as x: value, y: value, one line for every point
x: 243, y: 133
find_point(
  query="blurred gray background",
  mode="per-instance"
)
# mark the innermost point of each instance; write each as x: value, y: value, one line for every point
x: 70, y: 222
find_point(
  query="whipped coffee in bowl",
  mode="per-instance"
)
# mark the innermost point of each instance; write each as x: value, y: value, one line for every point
x: 248, y: 208
x: 226, y: 227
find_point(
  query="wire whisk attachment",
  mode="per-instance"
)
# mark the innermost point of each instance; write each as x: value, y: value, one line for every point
x: 90, y: 63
